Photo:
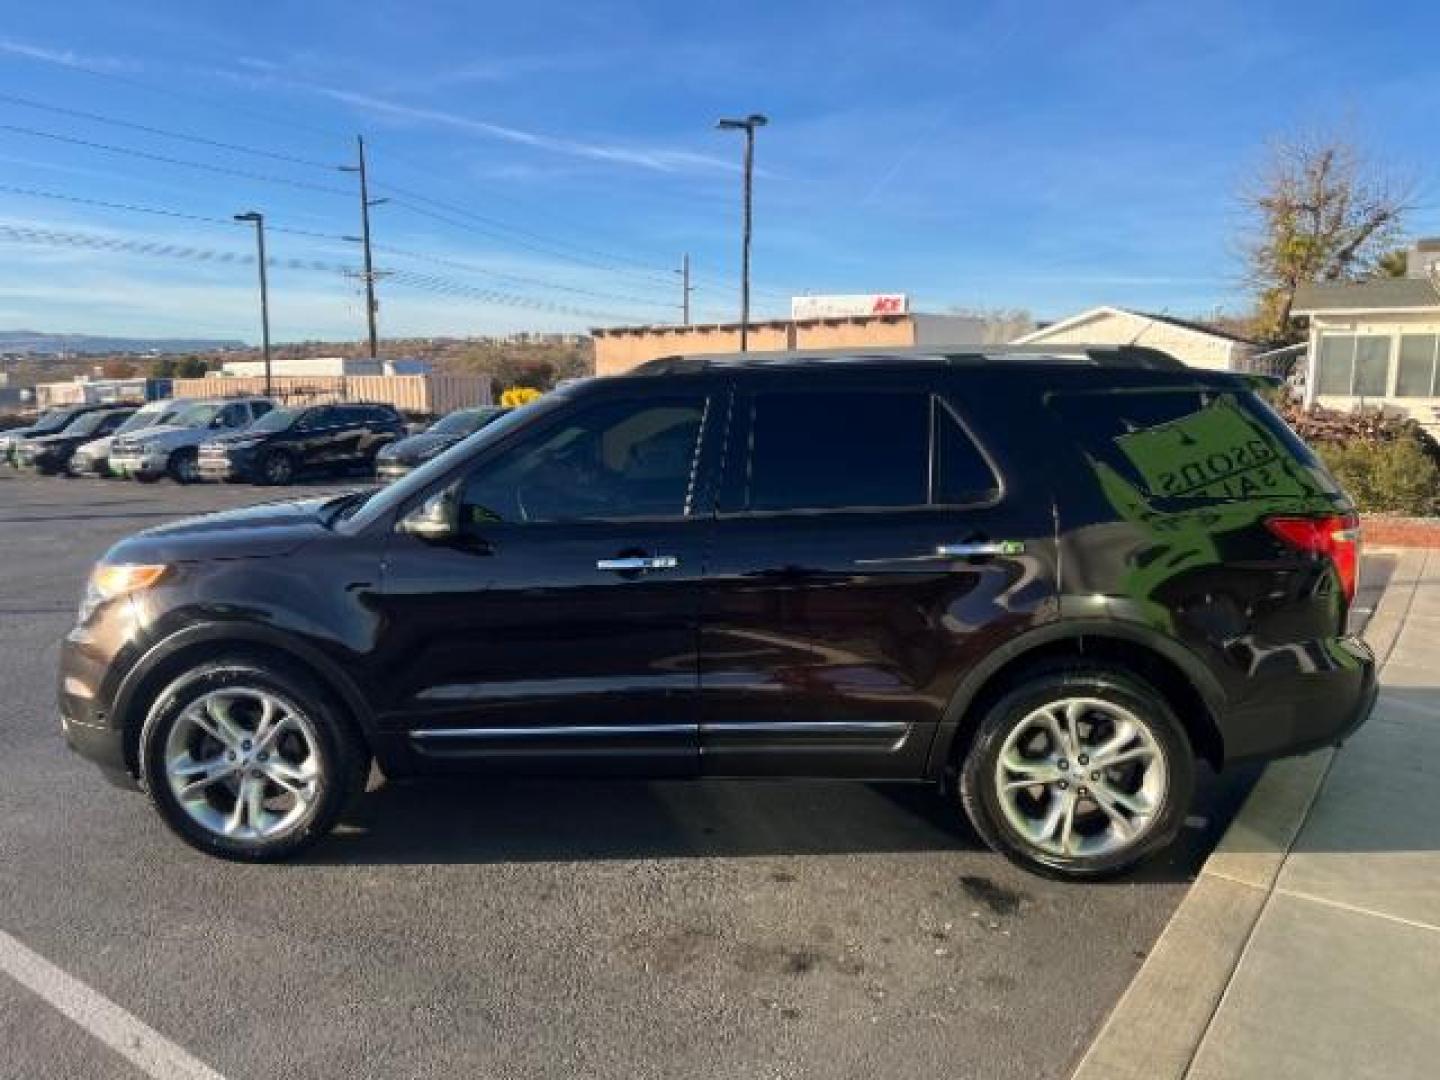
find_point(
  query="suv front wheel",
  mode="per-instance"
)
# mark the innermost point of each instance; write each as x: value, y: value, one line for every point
x: 1078, y: 773
x: 247, y: 762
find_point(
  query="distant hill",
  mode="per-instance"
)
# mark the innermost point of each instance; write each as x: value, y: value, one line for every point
x: 32, y: 341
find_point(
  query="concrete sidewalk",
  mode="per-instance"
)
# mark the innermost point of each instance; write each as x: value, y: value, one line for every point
x: 1310, y: 944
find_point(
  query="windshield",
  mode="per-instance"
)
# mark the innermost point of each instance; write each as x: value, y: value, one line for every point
x: 274, y: 420
x: 147, y: 417
x: 86, y: 423
x: 458, y: 423
x: 196, y: 415
x: 401, y: 491
x: 54, y: 421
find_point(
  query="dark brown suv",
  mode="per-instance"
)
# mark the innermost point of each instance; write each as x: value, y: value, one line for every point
x: 1048, y: 584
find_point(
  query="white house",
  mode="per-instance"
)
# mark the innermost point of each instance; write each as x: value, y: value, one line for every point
x: 1191, y: 343
x: 1377, y: 343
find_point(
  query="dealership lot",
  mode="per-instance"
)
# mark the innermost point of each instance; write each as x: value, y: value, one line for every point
x: 537, y: 928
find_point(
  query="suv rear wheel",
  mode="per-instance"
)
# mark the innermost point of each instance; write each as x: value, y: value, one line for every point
x: 249, y: 764
x: 1079, y: 773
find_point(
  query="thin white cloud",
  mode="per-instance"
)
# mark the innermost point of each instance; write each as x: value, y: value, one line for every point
x: 655, y: 159
x: 65, y: 57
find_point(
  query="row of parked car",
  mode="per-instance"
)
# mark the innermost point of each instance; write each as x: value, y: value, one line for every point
x: 242, y: 439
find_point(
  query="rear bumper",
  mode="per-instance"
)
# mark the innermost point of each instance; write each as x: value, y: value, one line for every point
x: 1322, y: 702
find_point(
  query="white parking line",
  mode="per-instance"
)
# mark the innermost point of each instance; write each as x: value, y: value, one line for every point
x: 141, y: 1045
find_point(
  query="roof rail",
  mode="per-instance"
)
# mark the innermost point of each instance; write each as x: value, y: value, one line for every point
x: 1107, y: 356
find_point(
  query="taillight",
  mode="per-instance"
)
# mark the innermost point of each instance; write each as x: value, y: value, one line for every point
x: 1336, y: 536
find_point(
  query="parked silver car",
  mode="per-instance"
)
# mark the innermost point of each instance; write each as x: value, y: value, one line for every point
x: 93, y: 458
x: 171, y: 449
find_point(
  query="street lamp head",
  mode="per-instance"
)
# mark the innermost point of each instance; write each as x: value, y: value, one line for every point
x: 750, y: 122
x: 250, y: 215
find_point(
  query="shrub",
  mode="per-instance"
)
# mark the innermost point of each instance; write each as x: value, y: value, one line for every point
x: 1398, y: 476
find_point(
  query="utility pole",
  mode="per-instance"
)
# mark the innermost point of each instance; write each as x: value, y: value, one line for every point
x: 685, y: 288
x: 748, y: 125
x: 259, y: 220
x: 371, y: 307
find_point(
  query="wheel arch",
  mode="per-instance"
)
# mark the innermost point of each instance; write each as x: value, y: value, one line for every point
x: 169, y: 659
x: 1191, y: 690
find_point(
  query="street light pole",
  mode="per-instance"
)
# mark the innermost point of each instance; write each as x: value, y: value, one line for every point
x: 748, y: 125
x: 259, y: 220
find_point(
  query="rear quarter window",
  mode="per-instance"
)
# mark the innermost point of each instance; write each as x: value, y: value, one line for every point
x: 1192, y: 445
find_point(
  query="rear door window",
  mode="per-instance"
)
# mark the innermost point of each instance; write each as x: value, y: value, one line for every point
x: 855, y: 449
x: 828, y: 450
x: 1192, y: 445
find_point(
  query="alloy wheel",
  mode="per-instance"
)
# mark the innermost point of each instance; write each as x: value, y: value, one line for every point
x: 1081, y: 777
x: 244, y: 763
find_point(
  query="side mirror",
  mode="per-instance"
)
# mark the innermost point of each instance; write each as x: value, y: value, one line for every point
x: 435, y: 519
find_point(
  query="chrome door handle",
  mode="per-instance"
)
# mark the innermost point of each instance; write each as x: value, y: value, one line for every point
x: 980, y: 549
x: 639, y: 562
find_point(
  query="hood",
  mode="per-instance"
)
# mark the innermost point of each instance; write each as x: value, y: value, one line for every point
x: 166, y: 434
x: 417, y: 448
x: 43, y: 442
x: 250, y: 532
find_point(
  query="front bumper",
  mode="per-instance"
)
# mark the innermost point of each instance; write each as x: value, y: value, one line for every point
x: 386, y: 471
x: 144, y: 465
x: 85, y: 719
x: 85, y: 465
x: 231, y: 465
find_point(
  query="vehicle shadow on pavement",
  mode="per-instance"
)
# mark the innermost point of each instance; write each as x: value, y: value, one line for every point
x: 493, y: 819
x: 489, y: 820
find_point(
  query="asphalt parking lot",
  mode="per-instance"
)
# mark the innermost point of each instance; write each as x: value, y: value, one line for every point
x: 537, y: 928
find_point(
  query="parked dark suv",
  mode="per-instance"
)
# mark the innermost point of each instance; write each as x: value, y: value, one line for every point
x: 50, y: 454
x: 287, y: 442
x: 1047, y: 584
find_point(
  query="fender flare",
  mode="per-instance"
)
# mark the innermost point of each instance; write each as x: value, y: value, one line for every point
x: 231, y: 634
x: 1206, y: 685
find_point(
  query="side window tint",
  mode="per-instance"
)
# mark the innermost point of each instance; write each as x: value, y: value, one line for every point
x: 835, y: 449
x: 623, y: 459
x: 259, y: 408
x: 1205, y: 445
x: 234, y: 415
x: 962, y: 475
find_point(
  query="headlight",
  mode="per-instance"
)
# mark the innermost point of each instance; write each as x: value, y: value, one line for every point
x: 109, y: 580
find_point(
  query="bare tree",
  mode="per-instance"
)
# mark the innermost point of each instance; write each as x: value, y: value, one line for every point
x: 1318, y: 212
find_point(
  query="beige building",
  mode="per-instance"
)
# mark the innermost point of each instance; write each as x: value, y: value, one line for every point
x: 620, y: 348
x: 1191, y: 343
x: 1377, y: 343
x: 430, y: 394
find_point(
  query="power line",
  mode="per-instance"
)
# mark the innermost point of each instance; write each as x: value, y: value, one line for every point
x: 518, y: 278
x: 492, y: 229
x: 129, y: 151
x: 165, y: 133
x: 160, y: 212
x: 229, y: 223
x: 553, y: 247
x: 24, y: 234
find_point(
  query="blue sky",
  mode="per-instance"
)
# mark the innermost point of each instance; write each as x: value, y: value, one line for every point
x: 1043, y: 155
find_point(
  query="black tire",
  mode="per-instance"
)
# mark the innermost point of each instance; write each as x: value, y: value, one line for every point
x: 979, y: 784
x: 183, y: 466
x: 276, y: 468
x: 343, y: 759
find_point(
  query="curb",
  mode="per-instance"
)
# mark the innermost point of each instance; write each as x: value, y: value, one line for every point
x: 1157, y: 1026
